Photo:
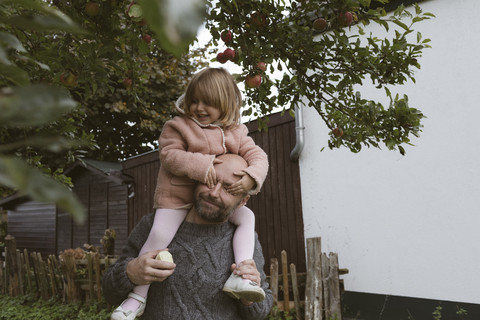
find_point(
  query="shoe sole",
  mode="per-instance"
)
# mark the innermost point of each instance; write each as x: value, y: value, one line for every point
x: 249, y: 296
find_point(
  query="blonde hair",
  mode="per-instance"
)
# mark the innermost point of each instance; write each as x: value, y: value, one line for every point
x: 217, y: 88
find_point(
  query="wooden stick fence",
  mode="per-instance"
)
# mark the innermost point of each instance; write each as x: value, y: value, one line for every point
x: 321, y: 285
x: 80, y: 279
x: 74, y: 279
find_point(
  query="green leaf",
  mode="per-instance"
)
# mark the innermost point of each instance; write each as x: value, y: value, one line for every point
x: 175, y: 22
x: 401, y: 24
x: 43, y: 23
x: 15, y: 174
x: 15, y: 75
x: 34, y: 105
x: 4, y: 57
x: 11, y: 41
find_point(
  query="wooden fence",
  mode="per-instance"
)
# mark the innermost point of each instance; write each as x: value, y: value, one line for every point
x: 320, y: 286
x: 76, y: 276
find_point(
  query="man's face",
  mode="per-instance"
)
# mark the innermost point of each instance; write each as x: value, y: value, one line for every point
x: 216, y: 204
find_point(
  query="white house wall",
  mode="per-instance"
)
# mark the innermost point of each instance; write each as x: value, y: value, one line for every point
x: 409, y: 225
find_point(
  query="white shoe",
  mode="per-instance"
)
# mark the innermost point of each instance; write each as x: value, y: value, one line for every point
x: 121, y: 314
x: 238, y: 288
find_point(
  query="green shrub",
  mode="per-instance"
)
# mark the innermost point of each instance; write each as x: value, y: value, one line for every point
x: 30, y: 307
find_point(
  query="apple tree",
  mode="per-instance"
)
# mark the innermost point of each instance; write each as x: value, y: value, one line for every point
x: 324, y: 54
x: 79, y: 78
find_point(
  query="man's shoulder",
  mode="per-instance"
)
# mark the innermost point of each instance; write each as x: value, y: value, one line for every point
x: 145, y: 222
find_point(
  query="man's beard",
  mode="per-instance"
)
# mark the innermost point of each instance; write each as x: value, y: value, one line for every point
x: 218, y: 214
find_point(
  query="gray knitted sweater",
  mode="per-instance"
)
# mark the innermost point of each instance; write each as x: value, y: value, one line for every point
x: 203, y: 255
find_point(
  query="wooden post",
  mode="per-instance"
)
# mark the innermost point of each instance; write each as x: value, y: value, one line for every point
x: 334, y: 288
x: 70, y: 268
x: 286, y: 295
x: 20, y: 272
x: 98, y: 277
x: 296, y: 295
x: 274, y: 279
x: 90, y: 275
x: 43, y: 276
x: 313, y: 289
x: 12, y: 267
x: 3, y: 285
x: 36, y: 272
x: 325, y: 281
x: 51, y: 277
x: 28, y: 270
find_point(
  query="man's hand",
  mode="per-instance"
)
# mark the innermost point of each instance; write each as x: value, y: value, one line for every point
x: 145, y: 269
x: 247, y: 269
x: 244, y: 185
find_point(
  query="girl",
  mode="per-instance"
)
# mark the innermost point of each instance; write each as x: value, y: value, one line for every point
x: 208, y: 125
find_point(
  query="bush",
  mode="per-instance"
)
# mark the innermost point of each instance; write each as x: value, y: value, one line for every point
x: 30, y: 307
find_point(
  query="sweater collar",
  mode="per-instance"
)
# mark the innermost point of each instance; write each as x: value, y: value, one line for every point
x: 208, y: 230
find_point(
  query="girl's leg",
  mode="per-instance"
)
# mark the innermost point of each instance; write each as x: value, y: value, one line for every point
x: 244, y: 236
x: 243, y: 247
x: 165, y: 226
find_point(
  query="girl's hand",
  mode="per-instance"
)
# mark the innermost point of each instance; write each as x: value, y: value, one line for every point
x: 212, y: 175
x: 244, y: 185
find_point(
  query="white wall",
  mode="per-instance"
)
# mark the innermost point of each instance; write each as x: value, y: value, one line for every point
x: 409, y: 225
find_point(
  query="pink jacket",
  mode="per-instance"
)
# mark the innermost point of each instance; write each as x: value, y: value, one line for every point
x: 187, y: 150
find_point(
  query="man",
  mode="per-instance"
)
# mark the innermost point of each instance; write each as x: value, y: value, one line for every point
x: 191, y: 287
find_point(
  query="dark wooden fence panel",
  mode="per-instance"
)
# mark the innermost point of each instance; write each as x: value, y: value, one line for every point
x: 32, y: 224
x: 106, y: 207
x: 64, y: 231
x: 144, y: 170
x: 278, y: 207
x: 118, y: 214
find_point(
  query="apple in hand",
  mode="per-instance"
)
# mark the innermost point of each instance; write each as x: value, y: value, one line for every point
x: 253, y: 80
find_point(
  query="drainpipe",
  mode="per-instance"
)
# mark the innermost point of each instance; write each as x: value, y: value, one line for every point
x: 300, y: 137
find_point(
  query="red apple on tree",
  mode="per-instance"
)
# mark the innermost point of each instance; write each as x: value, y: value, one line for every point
x: 226, y: 36
x: 147, y: 38
x: 258, y: 19
x: 261, y: 66
x: 337, y: 132
x: 345, y: 19
x: 68, y: 79
x: 221, y: 57
x: 127, y: 82
x: 320, y: 24
x: 229, y: 54
x: 253, y: 80
x: 92, y: 9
